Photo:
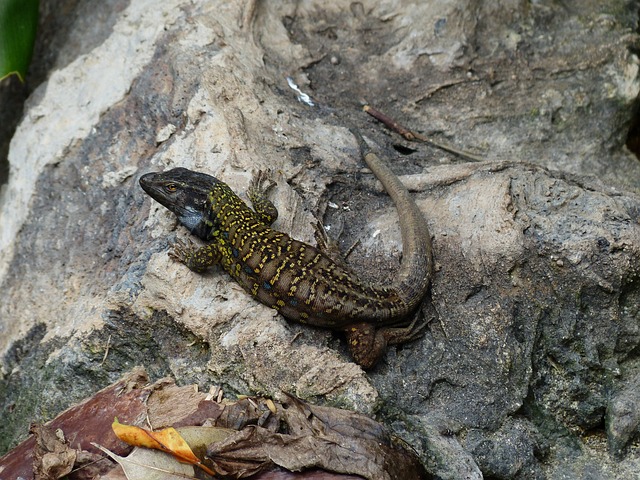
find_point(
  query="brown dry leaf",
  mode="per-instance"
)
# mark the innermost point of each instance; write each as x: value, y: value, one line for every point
x: 88, y: 421
x: 147, y: 464
x: 249, y: 411
x: 53, y: 458
x: 329, y: 438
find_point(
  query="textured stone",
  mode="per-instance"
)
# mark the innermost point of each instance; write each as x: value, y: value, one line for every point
x: 534, y: 305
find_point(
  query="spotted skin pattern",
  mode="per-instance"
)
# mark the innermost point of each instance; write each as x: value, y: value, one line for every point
x: 299, y: 280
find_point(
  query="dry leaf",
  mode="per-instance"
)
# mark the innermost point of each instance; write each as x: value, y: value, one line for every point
x: 168, y: 440
x: 53, y: 457
x: 199, y: 437
x: 295, y: 436
x: 146, y: 464
x: 329, y: 438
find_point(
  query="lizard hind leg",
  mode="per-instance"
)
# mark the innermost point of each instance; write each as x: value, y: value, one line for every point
x: 367, y: 344
x: 330, y: 247
x: 258, y: 193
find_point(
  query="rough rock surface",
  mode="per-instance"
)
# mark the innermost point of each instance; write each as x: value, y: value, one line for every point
x: 529, y: 365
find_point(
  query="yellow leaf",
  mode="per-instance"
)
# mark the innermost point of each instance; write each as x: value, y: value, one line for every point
x: 136, y: 436
x: 168, y: 440
x: 173, y: 443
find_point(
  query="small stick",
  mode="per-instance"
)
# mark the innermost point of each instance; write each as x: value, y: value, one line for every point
x: 412, y: 136
x: 106, y: 351
x: 391, y: 124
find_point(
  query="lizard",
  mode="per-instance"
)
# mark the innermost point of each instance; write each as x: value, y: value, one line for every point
x: 299, y: 280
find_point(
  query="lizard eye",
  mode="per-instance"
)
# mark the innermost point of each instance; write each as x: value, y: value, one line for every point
x: 171, y: 187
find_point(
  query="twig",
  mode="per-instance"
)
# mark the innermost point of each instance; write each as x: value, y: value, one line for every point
x: 413, y: 136
x: 106, y: 351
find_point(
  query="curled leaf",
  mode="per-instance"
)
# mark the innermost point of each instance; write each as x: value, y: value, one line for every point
x: 168, y: 440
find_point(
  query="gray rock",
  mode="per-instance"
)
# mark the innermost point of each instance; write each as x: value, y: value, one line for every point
x: 623, y: 415
x: 510, y: 452
x: 534, y: 305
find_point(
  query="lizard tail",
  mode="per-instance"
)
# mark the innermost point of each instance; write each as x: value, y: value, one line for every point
x: 414, y: 275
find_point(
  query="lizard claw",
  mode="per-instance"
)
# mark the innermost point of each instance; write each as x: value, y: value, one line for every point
x: 411, y: 332
x: 195, y: 258
x: 261, y: 184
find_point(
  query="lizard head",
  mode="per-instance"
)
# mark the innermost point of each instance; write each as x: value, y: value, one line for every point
x: 185, y: 193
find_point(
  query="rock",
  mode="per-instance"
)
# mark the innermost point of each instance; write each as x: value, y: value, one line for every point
x: 533, y: 307
x: 513, y: 451
x: 623, y: 416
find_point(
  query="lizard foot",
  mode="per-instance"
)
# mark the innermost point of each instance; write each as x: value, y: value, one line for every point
x: 261, y: 184
x: 184, y: 252
x: 411, y: 332
x: 330, y: 247
x: 258, y: 191
x: 327, y: 245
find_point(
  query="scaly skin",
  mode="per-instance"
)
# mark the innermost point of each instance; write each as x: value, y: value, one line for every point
x: 299, y: 280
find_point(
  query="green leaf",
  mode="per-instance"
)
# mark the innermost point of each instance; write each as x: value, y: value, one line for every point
x: 18, y: 24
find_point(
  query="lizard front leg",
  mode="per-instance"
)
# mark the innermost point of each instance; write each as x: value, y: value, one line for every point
x: 197, y: 259
x: 258, y: 190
